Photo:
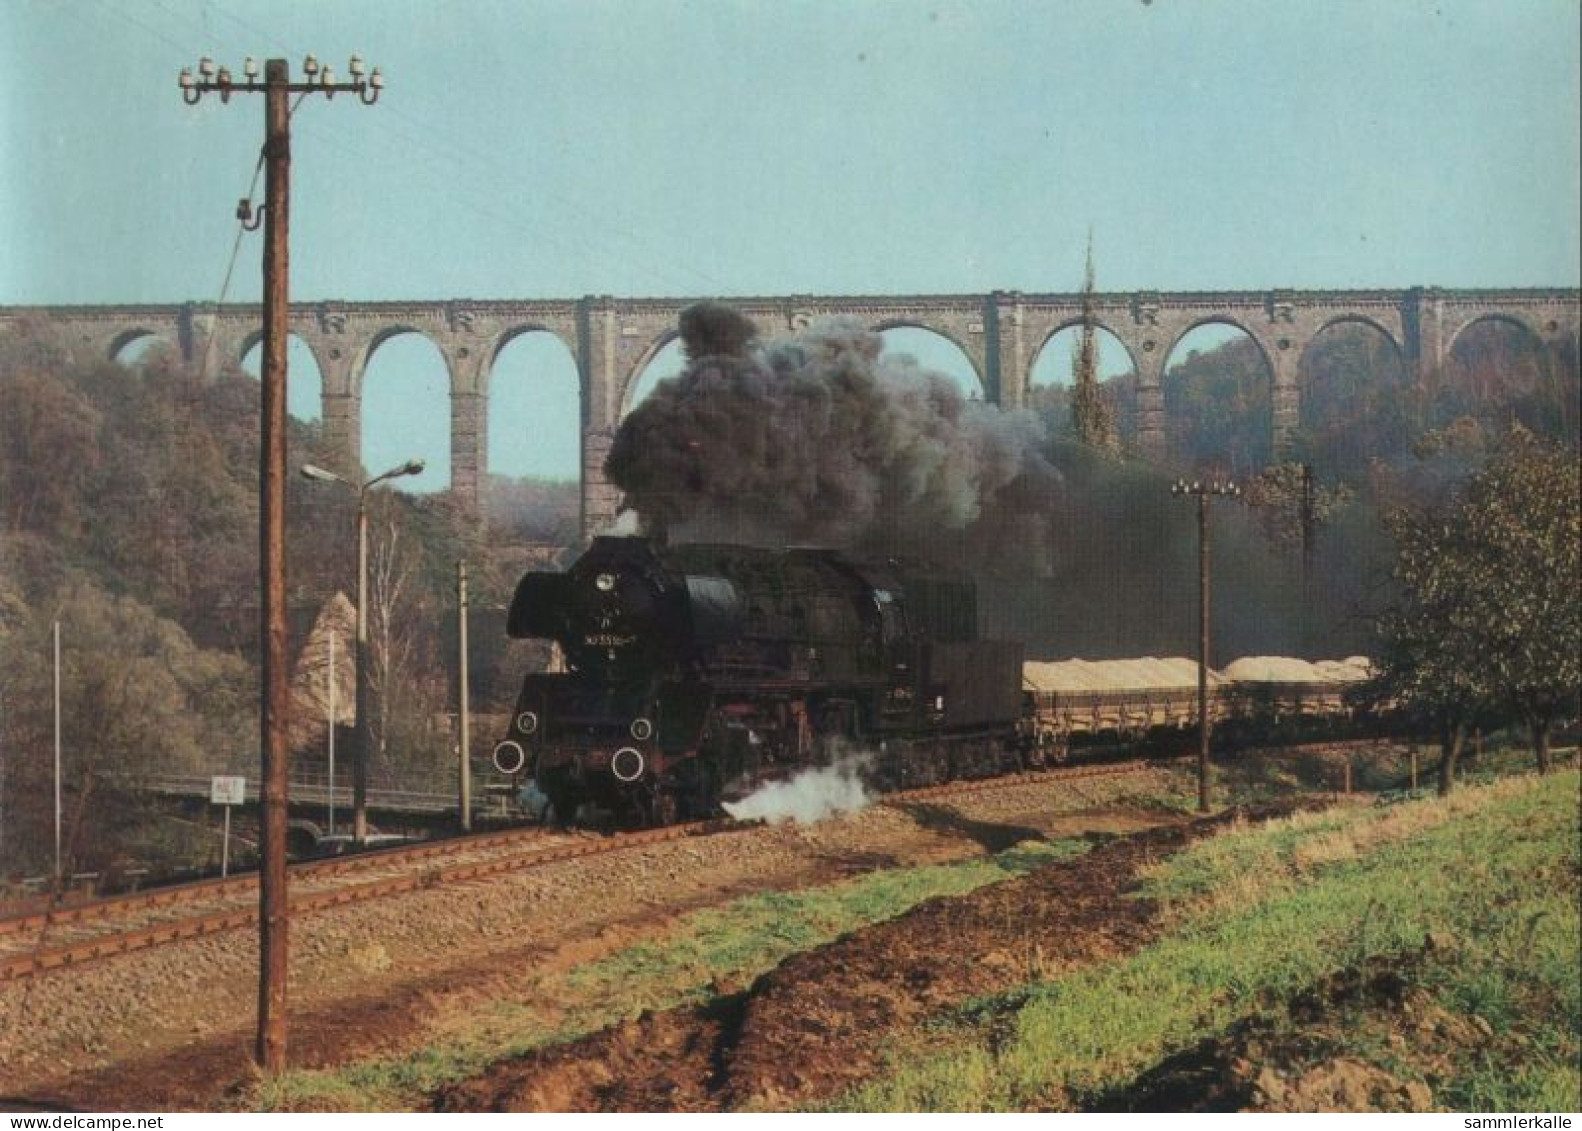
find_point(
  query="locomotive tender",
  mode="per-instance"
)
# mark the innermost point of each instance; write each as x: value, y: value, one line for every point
x: 697, y: 672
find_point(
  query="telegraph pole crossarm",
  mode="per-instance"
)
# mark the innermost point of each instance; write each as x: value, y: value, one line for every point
x: 320, y: 80
x: 277, y: 87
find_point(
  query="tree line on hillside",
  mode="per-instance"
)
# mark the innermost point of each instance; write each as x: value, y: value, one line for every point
x: 129, y: 516
x: 1359, y: 404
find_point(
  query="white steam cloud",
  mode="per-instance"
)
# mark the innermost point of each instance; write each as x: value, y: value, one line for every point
x: 809, y: 795
x: 625, y: 524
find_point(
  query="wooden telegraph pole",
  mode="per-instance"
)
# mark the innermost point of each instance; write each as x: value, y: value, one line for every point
x: 274, y: 915
x: 463, y: 715
x: 277, y: 87
x: 1202, y: 492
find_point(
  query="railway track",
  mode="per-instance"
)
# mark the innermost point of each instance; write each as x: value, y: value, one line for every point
x: 83, y: 934
x: 86, y: 933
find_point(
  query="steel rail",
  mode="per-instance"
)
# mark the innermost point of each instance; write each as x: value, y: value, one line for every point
x: 141, y: 938
x: 135, y: 902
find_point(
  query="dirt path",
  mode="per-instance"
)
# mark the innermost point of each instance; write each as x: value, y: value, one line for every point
x: 173, y: 1029
x: 817, y: 1024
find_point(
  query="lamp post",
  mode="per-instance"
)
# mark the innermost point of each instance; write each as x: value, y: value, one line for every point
x: 1203, y: 492
x: 360, y: 742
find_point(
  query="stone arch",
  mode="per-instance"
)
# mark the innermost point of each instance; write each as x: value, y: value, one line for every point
x: 552, y: 359
x: 533, y: 408
x: 1230, y: 321
x: 1506, y: 317
x: 519, y: 329
x: 902, y: 322
x: 1525, y: 379
x: 1059, y: 328
x: 254, y: 337
x: 1355, y: 379
x: 636, y: 375
x: 1051, y: 398
x: 1217, y: 439
x: 379, y: 337
x: 1073, y: 323
x: 432, y: 442
x: 245, y: 345
x: 132, y: 335
x: 303, y: 351
x: 1355, y: 319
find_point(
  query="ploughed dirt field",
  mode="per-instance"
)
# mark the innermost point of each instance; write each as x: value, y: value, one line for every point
x: 819, y: 1023
x: 172, y: 1028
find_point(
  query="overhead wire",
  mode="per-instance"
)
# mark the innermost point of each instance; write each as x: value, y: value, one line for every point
x: 230, y: 267
x: 428, y: 137
x: 424, y: 136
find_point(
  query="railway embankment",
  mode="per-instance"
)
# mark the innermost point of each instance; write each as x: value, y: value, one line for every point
x: 171, y: 1025
x: 1411, y: 956
x: 1068, y: 944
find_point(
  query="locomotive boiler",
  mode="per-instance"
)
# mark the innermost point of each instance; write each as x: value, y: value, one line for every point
x: 695, y: 673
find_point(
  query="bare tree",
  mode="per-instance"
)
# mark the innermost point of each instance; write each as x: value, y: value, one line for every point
x: 391, y: 646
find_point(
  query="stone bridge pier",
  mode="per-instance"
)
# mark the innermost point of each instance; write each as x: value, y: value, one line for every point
x: 611, y: 340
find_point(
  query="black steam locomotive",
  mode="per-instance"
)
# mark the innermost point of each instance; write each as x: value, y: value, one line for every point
x: 695, y: 673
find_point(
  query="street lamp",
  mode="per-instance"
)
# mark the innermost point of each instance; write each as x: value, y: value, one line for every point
x: 360, y: 742
x: 1203, y: 492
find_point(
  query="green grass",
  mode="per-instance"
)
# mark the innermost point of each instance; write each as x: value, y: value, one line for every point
x: 1259, y: 914
x: 706, y: 954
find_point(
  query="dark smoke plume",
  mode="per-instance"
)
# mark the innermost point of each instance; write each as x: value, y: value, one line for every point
x: 820, y: 438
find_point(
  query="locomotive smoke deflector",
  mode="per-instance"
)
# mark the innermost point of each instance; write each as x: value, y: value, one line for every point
x: 538, y: 607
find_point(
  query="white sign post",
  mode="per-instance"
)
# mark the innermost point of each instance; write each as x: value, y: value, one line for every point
x: 227, y: 791
x: 331, y: 682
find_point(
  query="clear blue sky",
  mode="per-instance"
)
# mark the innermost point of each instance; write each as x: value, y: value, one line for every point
x: 554, y: 148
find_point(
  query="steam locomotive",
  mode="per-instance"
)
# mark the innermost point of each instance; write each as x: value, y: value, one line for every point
x: 695, y: 673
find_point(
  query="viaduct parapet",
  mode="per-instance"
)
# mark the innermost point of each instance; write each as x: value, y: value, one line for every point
x: 613, y: 339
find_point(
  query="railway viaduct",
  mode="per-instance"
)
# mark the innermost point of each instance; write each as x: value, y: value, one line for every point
x: 613, y: 339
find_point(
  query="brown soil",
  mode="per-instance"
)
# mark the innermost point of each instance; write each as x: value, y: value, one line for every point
x: 818, y: 1024
x: 172, y: 1029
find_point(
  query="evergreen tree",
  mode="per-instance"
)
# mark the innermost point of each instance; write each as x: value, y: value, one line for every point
x: 1092, y: 417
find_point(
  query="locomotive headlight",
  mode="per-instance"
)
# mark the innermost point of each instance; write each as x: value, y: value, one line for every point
x: 626, y: 764
x: 527, y: 722
x: 605, y: 583
x: 509, y: 758
x: 642, y: 730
